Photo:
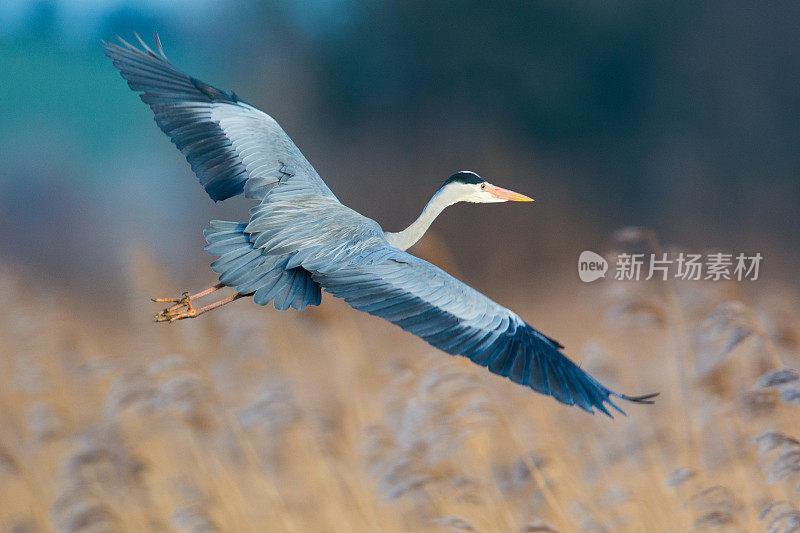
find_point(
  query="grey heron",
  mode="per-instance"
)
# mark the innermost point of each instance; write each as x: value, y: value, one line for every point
x: 300, y: 239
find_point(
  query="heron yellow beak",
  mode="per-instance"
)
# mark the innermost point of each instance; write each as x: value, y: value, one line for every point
x: 506, y: 195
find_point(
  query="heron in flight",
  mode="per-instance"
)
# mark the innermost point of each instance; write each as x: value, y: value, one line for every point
x: 300, y: 239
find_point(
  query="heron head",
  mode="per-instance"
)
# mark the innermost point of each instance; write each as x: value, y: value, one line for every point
x: 467, y: 186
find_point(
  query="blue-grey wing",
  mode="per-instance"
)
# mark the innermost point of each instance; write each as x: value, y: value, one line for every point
x: 450, y: 315
x: 232, y: 147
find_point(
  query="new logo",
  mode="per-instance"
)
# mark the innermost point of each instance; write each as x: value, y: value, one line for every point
x: 591, y: 266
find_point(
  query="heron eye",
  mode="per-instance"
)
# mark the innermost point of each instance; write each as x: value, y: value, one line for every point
x: 483, y: 186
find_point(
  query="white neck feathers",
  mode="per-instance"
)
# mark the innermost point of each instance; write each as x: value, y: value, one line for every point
x: 408, y: 237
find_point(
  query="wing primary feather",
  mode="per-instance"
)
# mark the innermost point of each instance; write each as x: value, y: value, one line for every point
x: 144, y: 44
x: 643, y: 398
x: 159, y: 47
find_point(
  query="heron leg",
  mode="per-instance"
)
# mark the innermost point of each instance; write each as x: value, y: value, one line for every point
x: 189, y: 311
x: 186, y: 299
x: 183, y: 308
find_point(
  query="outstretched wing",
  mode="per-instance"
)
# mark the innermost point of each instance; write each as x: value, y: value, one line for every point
x: 232, y: 147
x: 426, y: 301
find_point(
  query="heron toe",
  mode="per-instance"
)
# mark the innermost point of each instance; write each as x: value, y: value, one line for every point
x: 181, y: 309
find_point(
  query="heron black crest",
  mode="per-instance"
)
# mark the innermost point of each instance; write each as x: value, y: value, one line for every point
x: 464, y: 176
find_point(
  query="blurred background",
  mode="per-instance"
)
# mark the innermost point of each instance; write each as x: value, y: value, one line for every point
x: 680, y: 117
x: 673, y: 115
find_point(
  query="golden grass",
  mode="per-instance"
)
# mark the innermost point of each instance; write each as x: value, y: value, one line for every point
x: 249, y: 419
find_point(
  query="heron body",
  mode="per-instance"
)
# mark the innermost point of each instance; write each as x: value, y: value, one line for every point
x: 300, y: 239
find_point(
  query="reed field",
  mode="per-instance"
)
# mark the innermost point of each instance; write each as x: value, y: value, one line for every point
x: 250, y: 419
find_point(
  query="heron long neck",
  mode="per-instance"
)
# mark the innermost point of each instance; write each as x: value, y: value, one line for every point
x: 408, y: 237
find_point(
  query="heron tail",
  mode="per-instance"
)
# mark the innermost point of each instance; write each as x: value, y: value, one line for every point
x: 252, y: 272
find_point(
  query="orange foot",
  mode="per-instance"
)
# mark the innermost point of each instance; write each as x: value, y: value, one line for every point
x: 182, y: 308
